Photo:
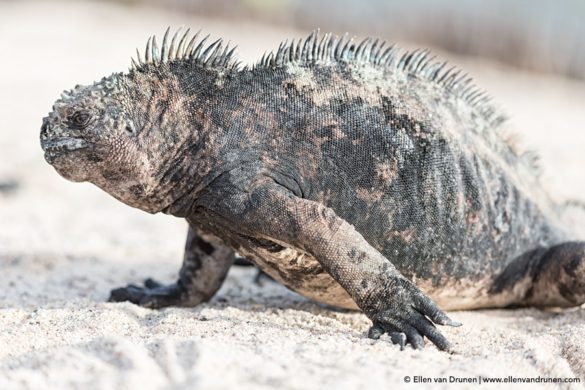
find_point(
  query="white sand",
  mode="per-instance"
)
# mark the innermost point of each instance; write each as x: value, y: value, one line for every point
x: 63, y: 246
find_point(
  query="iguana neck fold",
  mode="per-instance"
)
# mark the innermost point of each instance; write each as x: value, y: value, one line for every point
x: 173, y: 118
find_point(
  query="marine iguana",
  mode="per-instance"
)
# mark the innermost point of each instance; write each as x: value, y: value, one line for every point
x: 354, y: 173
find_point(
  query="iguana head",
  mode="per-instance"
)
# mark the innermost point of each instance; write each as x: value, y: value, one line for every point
x: 91, y: 135
x: 128, y: 132
x: 121, y: 134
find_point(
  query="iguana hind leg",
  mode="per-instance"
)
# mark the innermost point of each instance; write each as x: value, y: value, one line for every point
x: 205, y: 266
x: 560, y: 278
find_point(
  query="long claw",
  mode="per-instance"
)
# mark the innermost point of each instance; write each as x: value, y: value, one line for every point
x: 416, y: 340
x: 454, y: 324
x: 398, y: 338
x: 427, y: 307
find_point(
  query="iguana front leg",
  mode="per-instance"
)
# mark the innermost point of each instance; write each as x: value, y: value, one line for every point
x: 393, y: 303
x: 205, y: 266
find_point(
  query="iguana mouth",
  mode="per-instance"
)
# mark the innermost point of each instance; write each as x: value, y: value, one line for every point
x: 63, y: 144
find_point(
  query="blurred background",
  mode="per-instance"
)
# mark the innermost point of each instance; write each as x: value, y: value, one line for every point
x: 62, y: 242
x: 539, y: 35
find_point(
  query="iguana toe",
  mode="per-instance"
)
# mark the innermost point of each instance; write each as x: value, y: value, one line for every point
x: 153, y: 295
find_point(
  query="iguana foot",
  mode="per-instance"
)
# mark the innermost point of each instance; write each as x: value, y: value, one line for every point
x: 408, y: 315
x: 205, y: 266
x: 153, y: 295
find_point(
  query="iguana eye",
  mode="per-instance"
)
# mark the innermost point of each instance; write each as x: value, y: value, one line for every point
x: 130, y: 129
x: 80, y: 120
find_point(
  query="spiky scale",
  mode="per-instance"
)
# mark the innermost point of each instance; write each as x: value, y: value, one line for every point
x: 181, y: 46
x: 339, y: 46
x: 291, y: 51
x: 172, y: 48
x: 281, y: 52
x: 229, y: 55
x: 155, y: 51
x: 298, y: 50
x: 437, y: 71
x: 321, y: 46
x: 374, y: 50
x: 211, y: 49
x: 211, y: 53
x: 422, y: 61
x: 308, y: 46
x: 148, y: 51
x: 197, y: 50
x: 165, y: 46
x: 190, y: 47
x: 138, y: 57
x: 427, y: 64
x: 360, y: 49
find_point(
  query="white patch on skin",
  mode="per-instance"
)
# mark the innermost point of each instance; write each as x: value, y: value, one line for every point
x: 66, y: 143
x: 220, y: 79
x: 369, y: 195
x: 58, y: 132
x: 387, y: 171
x: 371, y: 76
x: 402, y: 138
x: 303, y: 76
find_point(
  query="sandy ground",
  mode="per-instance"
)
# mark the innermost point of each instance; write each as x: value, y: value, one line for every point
x: 63, y: 246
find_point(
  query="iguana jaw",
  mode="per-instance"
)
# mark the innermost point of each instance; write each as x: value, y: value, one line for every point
x: 56, y: 147
x: 63, y: 144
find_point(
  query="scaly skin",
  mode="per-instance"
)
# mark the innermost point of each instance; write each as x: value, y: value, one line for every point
x: 354, y: 175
